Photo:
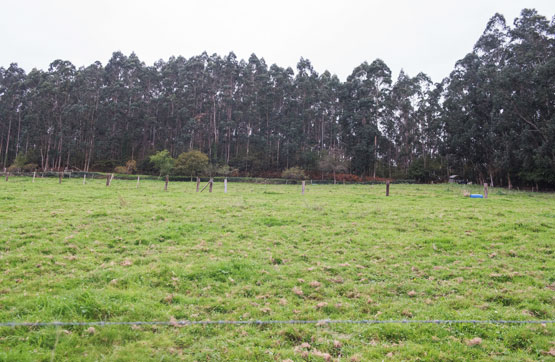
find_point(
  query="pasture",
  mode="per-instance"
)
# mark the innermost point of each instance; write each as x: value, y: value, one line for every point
x: 74, y: 252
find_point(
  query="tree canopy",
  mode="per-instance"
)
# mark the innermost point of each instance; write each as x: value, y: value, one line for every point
x: 492, y: 119
x: 191, y: 163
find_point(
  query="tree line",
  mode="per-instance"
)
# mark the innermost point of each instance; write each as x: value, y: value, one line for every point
x: 491, y: 120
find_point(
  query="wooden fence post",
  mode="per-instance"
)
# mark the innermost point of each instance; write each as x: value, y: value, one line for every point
x: 303, y: 188
x: 107, y: 180
x: 60, y: 175
x: 387, y: 188
x: 138, y: 179
x: 34, y: 174
x: 211, y: 182
x: 485, y: 190
x: 198, y: 183
x: 111, y: 178
x: 7, y: 176
x: 225, y: 185
x: 166, y: 185
x: 84, y: 179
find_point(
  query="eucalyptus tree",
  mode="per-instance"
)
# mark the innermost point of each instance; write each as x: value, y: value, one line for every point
x: 88, y: 86
x: 12, y: 92
x: 527, y: 89
x: 364, y: 98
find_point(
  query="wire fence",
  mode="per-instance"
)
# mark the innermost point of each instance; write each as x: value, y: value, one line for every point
x: 218, y: 178
x: 266, y: 322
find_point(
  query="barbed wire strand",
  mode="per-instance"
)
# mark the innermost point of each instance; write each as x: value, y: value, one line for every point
x: 263, y: 322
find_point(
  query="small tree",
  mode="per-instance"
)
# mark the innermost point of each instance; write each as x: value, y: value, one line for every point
x: 191, y: 163
x: 333, y: 162
x: 226, y: 170
x: 294, y: 173
x: 131, y: 166
x: 163, y: 162
x: 18, y: 163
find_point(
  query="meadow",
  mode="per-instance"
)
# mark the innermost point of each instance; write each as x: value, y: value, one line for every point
x: 74, y: 252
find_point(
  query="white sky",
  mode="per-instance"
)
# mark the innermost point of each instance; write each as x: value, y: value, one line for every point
x: 428, y: 36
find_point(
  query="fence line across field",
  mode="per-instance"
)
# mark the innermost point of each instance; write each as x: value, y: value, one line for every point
x: 110, y: 178
x: 235, y: 179
x: 265, y: 322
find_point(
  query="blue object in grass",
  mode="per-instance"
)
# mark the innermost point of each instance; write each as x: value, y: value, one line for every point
x: 476, y: 196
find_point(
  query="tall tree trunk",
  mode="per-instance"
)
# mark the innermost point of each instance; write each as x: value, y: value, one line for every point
x: 46, y: 165
x: 277, y: 156
x: 7, y: 142
x: 18, y: 132
x: 491, y: 177
x: 1, y: 147
x: 228, y: 151
x: 375, y: 155
x: 389, y: 162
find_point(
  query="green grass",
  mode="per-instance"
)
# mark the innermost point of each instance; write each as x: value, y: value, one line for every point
x: 76, y: 252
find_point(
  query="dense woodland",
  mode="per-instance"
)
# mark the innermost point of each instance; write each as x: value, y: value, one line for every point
x: 491, y: 120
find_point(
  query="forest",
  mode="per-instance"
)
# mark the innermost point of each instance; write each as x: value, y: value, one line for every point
x: 492, y: 119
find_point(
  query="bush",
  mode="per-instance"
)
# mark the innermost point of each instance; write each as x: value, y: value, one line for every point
x: 120, y: 169
x: 333, y: 161
x: 146, y: 167
x: 18, y: 163
x: 30, y: 167
x: 294, y: 173
x: 191, y: 163
x: 225, y: 170
x: 348, y: 177
x: 163, y: 162
x: 104, y: 165
x: 431, y: 172
x: 131, y: 166
x: 309, y: 160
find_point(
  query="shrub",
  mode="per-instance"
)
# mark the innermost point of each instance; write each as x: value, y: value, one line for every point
x: 426, y: 171
x: 18, y: 163
x: 105, y: 165
x: 348, y: 177
x: 131, y: 166
x: 120, y: 169
x: 146, y: 167
x: 294, y: 173
x: 334, y: 161
x: 163, y: 162
x: 225, y: 170
x: 30, y: 167
x: 191, y: 163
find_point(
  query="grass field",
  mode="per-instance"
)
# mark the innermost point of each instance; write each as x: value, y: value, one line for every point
x: 74, y: 252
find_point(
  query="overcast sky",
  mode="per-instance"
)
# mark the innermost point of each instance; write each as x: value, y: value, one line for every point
x: 428, y: 36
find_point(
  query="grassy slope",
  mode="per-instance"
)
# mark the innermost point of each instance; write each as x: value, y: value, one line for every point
x: 77, y: 253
